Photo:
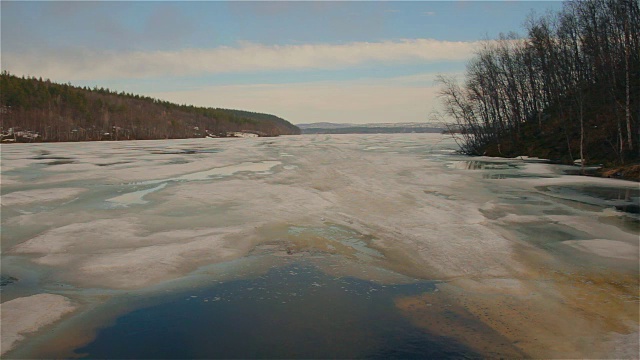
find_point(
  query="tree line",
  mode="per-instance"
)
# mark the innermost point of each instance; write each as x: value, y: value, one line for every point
x: 62, y: 112
x: 569, y: 90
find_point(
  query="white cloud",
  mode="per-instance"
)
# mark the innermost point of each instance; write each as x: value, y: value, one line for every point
x: 95, y: 65
x: 429, y: 13
x: 402, y: 99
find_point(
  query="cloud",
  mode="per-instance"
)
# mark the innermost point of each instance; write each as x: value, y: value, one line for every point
x: 407, y: 98
x: 166, y: 23
x: 84, y: 64
x: 429, y: 13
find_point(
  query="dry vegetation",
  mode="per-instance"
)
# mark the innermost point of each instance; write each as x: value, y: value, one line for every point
x: 569, y: 90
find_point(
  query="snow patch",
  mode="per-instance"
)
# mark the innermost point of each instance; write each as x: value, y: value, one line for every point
x: 26, y: 315
x: 606, y: 248
x: 39, y: 196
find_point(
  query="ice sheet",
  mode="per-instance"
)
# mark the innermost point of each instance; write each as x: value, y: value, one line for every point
x: 607, y: 248
x: 39, y: 196
x: 164, y: 210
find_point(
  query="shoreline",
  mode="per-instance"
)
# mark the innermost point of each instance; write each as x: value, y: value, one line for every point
x: 626, y: 172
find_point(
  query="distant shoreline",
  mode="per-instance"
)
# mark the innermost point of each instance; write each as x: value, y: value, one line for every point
x: 3, y: 141
x: 386, y: 128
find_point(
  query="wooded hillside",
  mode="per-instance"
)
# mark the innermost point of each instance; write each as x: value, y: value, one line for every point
x: 62, y: 112
x: 568, y: 90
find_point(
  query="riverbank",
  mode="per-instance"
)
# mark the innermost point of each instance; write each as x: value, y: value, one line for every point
x: 555, y: 155
x: 625, y: 172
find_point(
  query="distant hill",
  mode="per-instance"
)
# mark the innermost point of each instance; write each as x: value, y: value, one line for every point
x: 41, y: 110
x: 279, y: 122
x: 384, y: 128
x: 324, y: 125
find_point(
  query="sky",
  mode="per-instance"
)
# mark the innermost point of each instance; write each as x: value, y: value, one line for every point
x: 309, y: 61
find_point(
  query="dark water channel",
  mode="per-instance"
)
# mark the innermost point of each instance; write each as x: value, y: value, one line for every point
x: 622, y: 199
x: 294, y: 311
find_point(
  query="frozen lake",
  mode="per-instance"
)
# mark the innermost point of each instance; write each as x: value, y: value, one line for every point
x: 358, y: 246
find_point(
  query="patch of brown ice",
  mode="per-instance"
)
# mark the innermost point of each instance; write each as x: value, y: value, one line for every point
x: 549, y: 314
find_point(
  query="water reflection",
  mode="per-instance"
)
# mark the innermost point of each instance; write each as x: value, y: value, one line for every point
x: 293, y: 311
x: 483, y: 165
x: 622, y: 199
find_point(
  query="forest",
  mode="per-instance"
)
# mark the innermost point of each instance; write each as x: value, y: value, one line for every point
x: 33, y: 109
x: 568, y: 91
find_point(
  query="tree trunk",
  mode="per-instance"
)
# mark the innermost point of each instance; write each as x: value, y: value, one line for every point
x: 628, y: 97
x: 581, y: 135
